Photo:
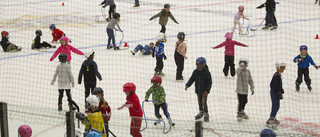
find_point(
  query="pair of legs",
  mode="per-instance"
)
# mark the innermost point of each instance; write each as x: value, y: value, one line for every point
x: 111, y: 11
x: 242, y: 101
x: 111, y: 37
x: 305, y: 73
x: 179, y: 60
x: 159, y: 65
x: 164, y: 108
x: 61, y: 95
x: 235, y: 23
x: 202, y: 102
x: 135, y: 126
x: 270, y: 19
x: 229, y: 62
x: 43, y: 45
x: 12, y: 47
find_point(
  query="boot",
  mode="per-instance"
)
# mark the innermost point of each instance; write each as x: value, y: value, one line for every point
x: 109, y: 47
x: 159, y: 120
x: 170, y: 122
x: 309, y: 87
x: 161, y: 74
x: 116, y: 48
x: 200, y: 115
x: 206, y: 117
x: 265, y: 27
x: 297, y: 87
x: 272, y: 120
x: 156, y: 73
x: 273, y: 27
x: 142, y: 51
x: 133, y: 52
x: 60, y: 107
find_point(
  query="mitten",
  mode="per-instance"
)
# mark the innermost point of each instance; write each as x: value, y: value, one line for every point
x: 165, y: 57
x: 317, y: 67
x: 242, y: 64
x: 299, y: 60
x: 280, y: 96
x: 252, y: 92
x: 177, y: 22
x: 80, y: 116
x: 153, y: 54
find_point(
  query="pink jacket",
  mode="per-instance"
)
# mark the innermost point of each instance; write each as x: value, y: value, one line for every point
x: 66, y: 49
x: 229, y: 46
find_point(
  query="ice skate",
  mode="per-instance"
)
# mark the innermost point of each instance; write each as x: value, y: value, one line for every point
x: 158, y: 122
x: 161, y: 74
x: 265, y: 28
x: 206, y: 117
x: 53, y: 46
x: 309, y: 87
x: 109, y: 47
x: 133, y: 53
x: 71, y: 107
x: 240, y: 33
x: 18, y: 48
x: 239, y: 117
x: 136, y: 5
x: 142, y: 51
x: 156, y: 73
x: 273, y: 27
x: 170, y: 122
x: 297, y: 87
x: 116, y: 48
x: 200, y: 115
x: 60, y: 107
x: 272, y: 123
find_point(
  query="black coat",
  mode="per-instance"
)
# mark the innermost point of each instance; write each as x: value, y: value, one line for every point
x: 202, y: 79
x: 5, y: 43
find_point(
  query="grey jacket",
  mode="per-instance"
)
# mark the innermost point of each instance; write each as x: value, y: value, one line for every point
x: 113, y: 22
x: 163, y: 14
x: 244, y: 79
x: 65, y: 77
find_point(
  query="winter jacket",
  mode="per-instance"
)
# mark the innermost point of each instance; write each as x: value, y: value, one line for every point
x: 305, y: 63
x: 37, y: 42
x: 94, y: 122
x: 276, y: 83
x: 163, y: 14
x: 181, y: 48
x: 244, y: 79
x: 5, y: 43
x: 157, y: 94
x: 159, y: 50
x: 107, y: 2
x: 106, y: 112
x: 66, y: 49
x: 65, y: 77
x: 270, y: 5
x: 229, y: 46
x: 202, y: 79
x: 57, y: 34
x: 89, y: 70
x: 112, y: 23
x: 136, y: 109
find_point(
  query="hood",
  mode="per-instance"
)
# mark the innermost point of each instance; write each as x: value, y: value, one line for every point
x: 88, y: 62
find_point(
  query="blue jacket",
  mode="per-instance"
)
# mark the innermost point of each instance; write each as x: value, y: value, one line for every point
x: 147, y: 51
x: 276, y: 83
x: 159, y: 50
x: 202, y: 79
x: 305, y: 63
x: 89, y: 69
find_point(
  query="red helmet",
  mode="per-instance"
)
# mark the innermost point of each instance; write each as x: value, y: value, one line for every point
x: 156, y: 79
x: 4, y: 33
x: 128, y: 87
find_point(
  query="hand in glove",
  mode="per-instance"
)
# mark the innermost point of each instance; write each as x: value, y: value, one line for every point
x: 150, y: 19
x: 121, y: 30
x: 280, y: 96
x: 165, y: 57
x: 125, y: 105
x: 176, y: 22
x: 317, y: 67
x: 80, y: 116
x: 242, y: 64
x: 299, y: 60
x: 153, y: 54
x: 146, y: 100
x: 252, y: 92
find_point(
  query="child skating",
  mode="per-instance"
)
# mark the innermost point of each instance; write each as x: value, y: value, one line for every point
x: 158, y: 51
x: 276, y: 92
x: 113, y: 22
x: 146, y: 50
x: 37, y: 42
x: 112, y: 7
x: 244, y: 79
x: 159, y: 95
x: 203, y: 81
x: 65, y: 48
x: 164, y: 15
x: 135, y: 110
x: 236, y: 20
x: 180, y: 54
x: 303, y: 60
x: 6, y: 45
x: 229, y: 53
x: 65, y: 80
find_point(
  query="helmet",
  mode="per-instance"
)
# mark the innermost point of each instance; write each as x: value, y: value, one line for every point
x: 128, y: 87
x: 279, y: 64
x: 38, y: 32
x: 65, y: 39
x: 267, y: 133
x: 201, y: 61
x: 156, y: 79
x: 4, y: 33
x: 303, y: 47
x: 93, y: 101
x: 166, y: 6
x: 228, y: 35
x: 88, y: 54
x: 241, y: 8
x: 181, y: 35
x: 116, y: 15
x: 161, y: 36
x: 246, y: 62
x: 25, y: 131
x: 52, y: 26
x: 63, y: 57
x: 97, y: 90
x: 93, y: 134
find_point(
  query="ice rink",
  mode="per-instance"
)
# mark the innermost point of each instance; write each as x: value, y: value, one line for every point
x: 25, y: 76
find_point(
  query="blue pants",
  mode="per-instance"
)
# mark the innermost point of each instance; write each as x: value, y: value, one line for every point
x: 163, y: 107
x: 270, y: 18
x: 111, y: 37
x: 136, y: 2
x: 275, y: 104
x: 138, y: 48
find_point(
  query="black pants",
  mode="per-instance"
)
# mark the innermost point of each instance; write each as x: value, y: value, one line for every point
x: 164, y: 109
x: 179, y: 59
x: 106, y: 126
x: 43, y: 44
x: 89, y: 88
x: 202, y: 102
x: 304, y: 72
x: 159, y: 64
x: 242, y: 101
x: 61, y: 95
x: 163, y: 29
x: 111, y: 10
x: 229, y: 62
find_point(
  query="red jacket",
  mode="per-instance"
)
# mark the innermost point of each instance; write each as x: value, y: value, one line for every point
x: 229, y: 46
x: 104, y: 111
x: 136, y: 109
x: 57, y: 34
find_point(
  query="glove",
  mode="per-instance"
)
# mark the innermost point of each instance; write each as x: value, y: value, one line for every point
x: 121, y: 30
x: 165, y: 57
x: 153, y: 54
x: 280, y: 96
x: 80, y: 116
x: 317, y: 67
x: 299, y: 60
x: 177, y: 22
x: 242, y: 64
x: 150, y: 19
x: 125, y: 105
x: 261, y: 6
x: 252, y: 92
x: 146, y: 100
x: 159, y: 101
